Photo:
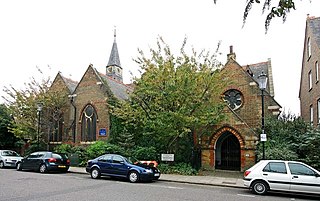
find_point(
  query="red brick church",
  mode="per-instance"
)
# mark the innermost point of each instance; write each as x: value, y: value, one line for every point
x: 232, y: 143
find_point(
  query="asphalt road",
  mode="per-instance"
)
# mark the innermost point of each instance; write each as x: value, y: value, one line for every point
x: 22, y: 186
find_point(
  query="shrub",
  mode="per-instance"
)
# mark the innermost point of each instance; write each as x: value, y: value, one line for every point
x: 63, y: 148
x: 179, y: 168
x: 145, y: 153
x: 102, y: 147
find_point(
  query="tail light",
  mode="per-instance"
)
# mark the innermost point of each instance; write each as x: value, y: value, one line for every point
x: 246, y: 173
x: 52, y: 160
x: 68, y: 161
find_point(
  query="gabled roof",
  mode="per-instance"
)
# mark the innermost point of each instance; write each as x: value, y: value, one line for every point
x: 314, y: 24
x: 118, y: 89
x: 255, y: 70
x: 70, y: 84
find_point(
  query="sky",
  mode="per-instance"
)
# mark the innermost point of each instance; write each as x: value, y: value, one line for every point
x: 67, y: 36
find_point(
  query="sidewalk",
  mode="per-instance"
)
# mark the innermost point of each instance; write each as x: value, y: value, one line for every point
x: 204, y: 180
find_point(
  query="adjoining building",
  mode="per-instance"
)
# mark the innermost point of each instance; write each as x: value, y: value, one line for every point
x: 233, y: 142
x: 309, y: 93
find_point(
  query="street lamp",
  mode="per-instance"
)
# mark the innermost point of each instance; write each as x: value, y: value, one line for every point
x: 262, y: 79
x: 39, y: 108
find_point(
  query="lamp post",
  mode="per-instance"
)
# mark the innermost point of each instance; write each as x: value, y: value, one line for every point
x: 262, y: 79
x: 39, y: 108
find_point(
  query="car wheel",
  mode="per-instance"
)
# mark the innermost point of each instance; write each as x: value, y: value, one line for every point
x: 95, y: 173
x: 260, y: 187
x: 1, y: 164
x: 18, y: 166
x: 43, y: 168
x: 133, y: 176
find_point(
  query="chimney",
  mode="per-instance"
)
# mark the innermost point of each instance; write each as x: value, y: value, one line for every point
x: 231, y: 55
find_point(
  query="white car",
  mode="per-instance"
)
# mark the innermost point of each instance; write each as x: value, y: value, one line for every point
x: 291, y: 176
x: 9, y: 158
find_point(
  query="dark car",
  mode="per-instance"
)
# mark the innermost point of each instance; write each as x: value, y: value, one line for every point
x: 44, y: 161
x: 118, y: 166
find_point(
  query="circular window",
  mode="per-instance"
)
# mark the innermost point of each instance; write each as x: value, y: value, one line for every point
x: 233, y: 98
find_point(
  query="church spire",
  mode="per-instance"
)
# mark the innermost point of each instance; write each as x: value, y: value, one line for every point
x: 114, y: 68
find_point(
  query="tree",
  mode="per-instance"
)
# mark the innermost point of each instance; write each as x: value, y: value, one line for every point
x: 23, y: 107
x: 175, y: 101
x: 291, y: 138
x: 281, y: 9
x: 7, y: 138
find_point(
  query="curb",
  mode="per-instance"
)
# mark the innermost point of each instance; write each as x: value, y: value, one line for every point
x: 183, y: 182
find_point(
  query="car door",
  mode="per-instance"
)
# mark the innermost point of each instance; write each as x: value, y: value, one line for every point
x: 104, y: 162
x: 277, y: 175
x: 304, y: 178
x: 118, y: 166
x: 29, y: 160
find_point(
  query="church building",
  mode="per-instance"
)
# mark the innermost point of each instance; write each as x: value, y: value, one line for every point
x: 232, y: 143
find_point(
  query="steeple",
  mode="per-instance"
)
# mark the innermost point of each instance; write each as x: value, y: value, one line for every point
x: 114, y: 68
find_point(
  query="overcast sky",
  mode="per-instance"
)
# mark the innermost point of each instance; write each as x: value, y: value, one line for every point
x: 69, y: 35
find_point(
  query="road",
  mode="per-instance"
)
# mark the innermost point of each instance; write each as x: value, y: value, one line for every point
x: 23, y: 185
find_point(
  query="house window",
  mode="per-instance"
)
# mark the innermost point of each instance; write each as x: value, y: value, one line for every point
x: 56, y: 134
x: 318, y: 108
x: 310, y: 80
x: 311, y: 115
x: 309, y: 48
x: 88, y: 124
x: 317, y: 70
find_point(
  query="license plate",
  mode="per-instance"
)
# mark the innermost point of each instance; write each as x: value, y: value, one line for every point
x: 61, y: 166
x: 156, y: 174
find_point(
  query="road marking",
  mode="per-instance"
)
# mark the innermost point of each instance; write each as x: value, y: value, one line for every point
x: 243, y: 195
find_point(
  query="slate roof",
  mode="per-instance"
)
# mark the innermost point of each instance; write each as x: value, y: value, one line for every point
x: 114, y: 59
x: 314, y: 24
x: 119, y: 90
x: 254, y: 70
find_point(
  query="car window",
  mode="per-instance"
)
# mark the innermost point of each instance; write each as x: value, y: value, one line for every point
x: 107, y: 158
x: 35, y: 155
x: 277, y: 167
x: 300, y: 169
x: 57, y: 156
x: 9, y: 153
x: 40, y: 155
x: 117, y: 159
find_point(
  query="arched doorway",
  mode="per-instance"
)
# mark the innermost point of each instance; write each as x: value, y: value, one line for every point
x: 227, y: 154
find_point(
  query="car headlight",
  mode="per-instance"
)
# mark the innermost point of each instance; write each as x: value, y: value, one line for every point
x: 148, y: 170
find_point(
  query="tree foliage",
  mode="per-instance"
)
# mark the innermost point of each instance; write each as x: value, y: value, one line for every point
x: 290, y: 138
x: 23, y: 105
x: 280, y: 8
x: 7, y: 138
x: 175, y: 98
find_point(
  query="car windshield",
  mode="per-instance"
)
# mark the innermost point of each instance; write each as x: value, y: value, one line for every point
x: 10, y: 153
x: 132, y: 160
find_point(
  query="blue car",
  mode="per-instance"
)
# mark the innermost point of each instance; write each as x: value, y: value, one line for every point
x: 115, y: 165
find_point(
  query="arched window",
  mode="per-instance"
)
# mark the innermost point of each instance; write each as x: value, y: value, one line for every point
x: 58, y: 126
x: 88, y: 124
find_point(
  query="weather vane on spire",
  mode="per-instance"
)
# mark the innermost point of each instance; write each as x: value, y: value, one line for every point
x: 115, y: 34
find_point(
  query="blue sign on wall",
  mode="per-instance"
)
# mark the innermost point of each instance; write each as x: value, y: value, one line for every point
x: 103, y: 132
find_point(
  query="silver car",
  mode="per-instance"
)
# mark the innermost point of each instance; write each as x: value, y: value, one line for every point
x: 9, y: 158
x: 291, y: 176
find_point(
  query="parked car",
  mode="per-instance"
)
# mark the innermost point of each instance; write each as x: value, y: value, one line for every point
x: 291, y: 176
x: 9, y: 158
x: 44, y: 161
x: 118, y: 166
